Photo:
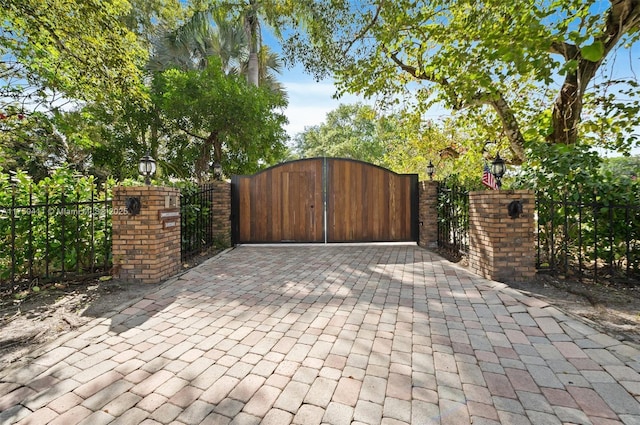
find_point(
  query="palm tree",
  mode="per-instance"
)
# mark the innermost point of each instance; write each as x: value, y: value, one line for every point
x: 208, y: 33
x: 190, y: 45
x: 269, y: 65
x: 252, y: 31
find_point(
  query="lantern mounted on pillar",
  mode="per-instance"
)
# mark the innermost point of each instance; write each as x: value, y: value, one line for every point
x: 147, y: 168
x: 217, y: 171
x: 431, y: 169
x: 498, y: 169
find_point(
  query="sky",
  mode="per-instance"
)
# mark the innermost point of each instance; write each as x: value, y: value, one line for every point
x: 309, y: 100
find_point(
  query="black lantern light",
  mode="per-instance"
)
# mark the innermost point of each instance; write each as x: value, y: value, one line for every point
x: 431, y: 169
x: 498, y: 169
x: 217, y: 171
x: 147, y: 168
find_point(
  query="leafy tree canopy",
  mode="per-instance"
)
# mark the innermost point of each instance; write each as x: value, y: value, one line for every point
x: 401, y: 142
x: 522, y: 71
x: 78, y: 49
x: 350, y: 131
x: 221, y: 119
x: 146, y: 17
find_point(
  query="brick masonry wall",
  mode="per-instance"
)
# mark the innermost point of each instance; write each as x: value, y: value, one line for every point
x: 221, y: 212
x: 428, y: 214
x: 146, y: 247
x: 500, y: 247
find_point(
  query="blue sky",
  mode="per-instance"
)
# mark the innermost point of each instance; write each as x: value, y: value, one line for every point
x: 309, y: 100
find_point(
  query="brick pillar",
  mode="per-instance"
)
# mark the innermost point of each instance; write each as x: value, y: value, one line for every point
x: 428, y: 214
x: 221, y: 212
x: 146, y: 246
x: 500, y: 247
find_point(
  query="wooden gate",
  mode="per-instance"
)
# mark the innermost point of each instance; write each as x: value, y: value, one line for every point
x: 325, y: 200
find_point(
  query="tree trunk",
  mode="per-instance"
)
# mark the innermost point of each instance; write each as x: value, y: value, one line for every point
x: 567, y: 108
x: 211, y: 145
x: 622, y: 17
x: 252, y: 29
x: 253, y: 75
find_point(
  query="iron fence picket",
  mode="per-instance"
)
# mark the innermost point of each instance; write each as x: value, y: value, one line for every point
x: 453, y: 219
x: 13, y: 234
x: 196, y: 227
x: 77, y: 247
x: 584, y: 240
x: 63, y: 234
x: 59, y: 256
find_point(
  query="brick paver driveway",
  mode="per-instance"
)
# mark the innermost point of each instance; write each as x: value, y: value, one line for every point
x: 329, y: 334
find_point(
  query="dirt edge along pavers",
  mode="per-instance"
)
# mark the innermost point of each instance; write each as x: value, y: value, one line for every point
x: 379, y: 334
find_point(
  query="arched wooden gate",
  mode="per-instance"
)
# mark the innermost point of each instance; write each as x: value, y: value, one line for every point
x: 325, y: 200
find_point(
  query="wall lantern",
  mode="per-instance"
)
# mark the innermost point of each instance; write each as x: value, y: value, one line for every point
x: 498, y: 169
x: 217, y: 171
x: 147, y: 168
x: 431, y: 169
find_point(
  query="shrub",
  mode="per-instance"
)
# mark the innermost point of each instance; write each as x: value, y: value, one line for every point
x: 60, y: 225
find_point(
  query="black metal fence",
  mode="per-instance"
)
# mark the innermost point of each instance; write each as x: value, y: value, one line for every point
x: 587, y: 237
x: 582, y: 237
x: 54, y: 236
x: 196, y: 232
x: 453, y: 219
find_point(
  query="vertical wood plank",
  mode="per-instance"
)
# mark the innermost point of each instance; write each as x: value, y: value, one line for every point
x: 364, y: 203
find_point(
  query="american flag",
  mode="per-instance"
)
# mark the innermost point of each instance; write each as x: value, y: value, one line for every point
x: 488, y: 179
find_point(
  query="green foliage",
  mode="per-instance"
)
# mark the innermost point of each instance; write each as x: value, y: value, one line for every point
x: 146, y: 16
x: 71, y: 84
x: 118, y: 135
x: 29, y: 142
x: 593, y: 52
x: 78, y: 48
x: 220, y: 118
x: 350, y: 131
x: 402, y: 142
x: 453, y: 215
x: 622, y: 166
x: 57, y: 53
x: 52, y: 225
x: 415, y: 142
x: 502, y: 64
x: 589, y: 208
x: 556, y: 168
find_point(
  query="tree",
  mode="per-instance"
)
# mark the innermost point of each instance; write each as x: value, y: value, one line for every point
x: 212, y: 32
x: 31, y: 144
x: 350, y: 131
x: 252, y: 29
x: 72, y: 86
x: 623, y: 166
x: 249, y: 14
x: 190, y: 44
x: 145, y: 17
x: 222, y: 119
x: 528, y: 67
x: 401, y: 142
x: 79, y: 49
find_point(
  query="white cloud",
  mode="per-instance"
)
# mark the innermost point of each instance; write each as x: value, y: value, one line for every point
x: 301, y: 116
x: 310, y: 102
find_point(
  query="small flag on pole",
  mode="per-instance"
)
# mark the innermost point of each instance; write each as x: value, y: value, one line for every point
x: 488, y: 179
